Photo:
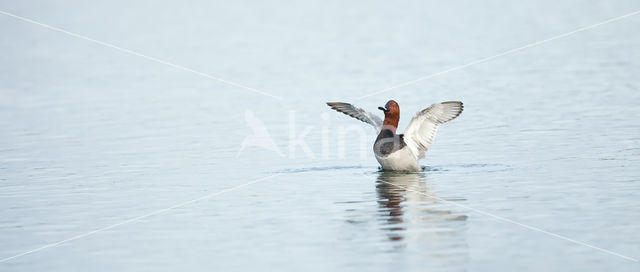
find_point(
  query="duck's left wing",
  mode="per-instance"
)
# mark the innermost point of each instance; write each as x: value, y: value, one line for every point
x: 358, y: 113
x: 423, y: 127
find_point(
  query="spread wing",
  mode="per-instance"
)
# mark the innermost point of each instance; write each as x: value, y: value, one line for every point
x: 358, y: 113
x: 422, y: 129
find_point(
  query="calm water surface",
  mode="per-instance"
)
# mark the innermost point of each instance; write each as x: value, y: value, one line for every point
x: 91, y: 137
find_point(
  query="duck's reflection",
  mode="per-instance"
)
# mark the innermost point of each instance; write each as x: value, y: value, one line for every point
x: 408, y: 211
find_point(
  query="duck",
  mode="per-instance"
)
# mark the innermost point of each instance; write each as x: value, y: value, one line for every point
x: 401, y: 152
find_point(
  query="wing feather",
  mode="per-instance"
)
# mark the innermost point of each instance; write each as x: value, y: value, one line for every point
x: 358, y: 113
x: 422, y: 129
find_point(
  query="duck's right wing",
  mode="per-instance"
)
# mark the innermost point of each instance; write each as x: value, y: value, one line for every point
x: 358, y: 113
x: 422, y: 129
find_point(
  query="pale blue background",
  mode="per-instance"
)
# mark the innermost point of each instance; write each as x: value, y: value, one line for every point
x: 91, y: 136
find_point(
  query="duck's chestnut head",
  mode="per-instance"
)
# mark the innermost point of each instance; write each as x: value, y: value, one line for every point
x: 391, y: 113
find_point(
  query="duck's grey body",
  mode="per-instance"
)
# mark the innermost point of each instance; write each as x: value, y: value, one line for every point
x: 393, y: 153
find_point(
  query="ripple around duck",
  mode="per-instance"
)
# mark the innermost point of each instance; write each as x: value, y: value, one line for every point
x: 485, y: 167
x: 324, y: 168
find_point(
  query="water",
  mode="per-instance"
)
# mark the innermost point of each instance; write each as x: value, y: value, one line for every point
x: 91, y: 137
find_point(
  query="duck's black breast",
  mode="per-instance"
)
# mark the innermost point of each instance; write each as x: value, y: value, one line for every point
x: 388, y: 142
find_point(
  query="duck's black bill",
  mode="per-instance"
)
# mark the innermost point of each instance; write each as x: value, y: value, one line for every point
x: 383, y: 109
